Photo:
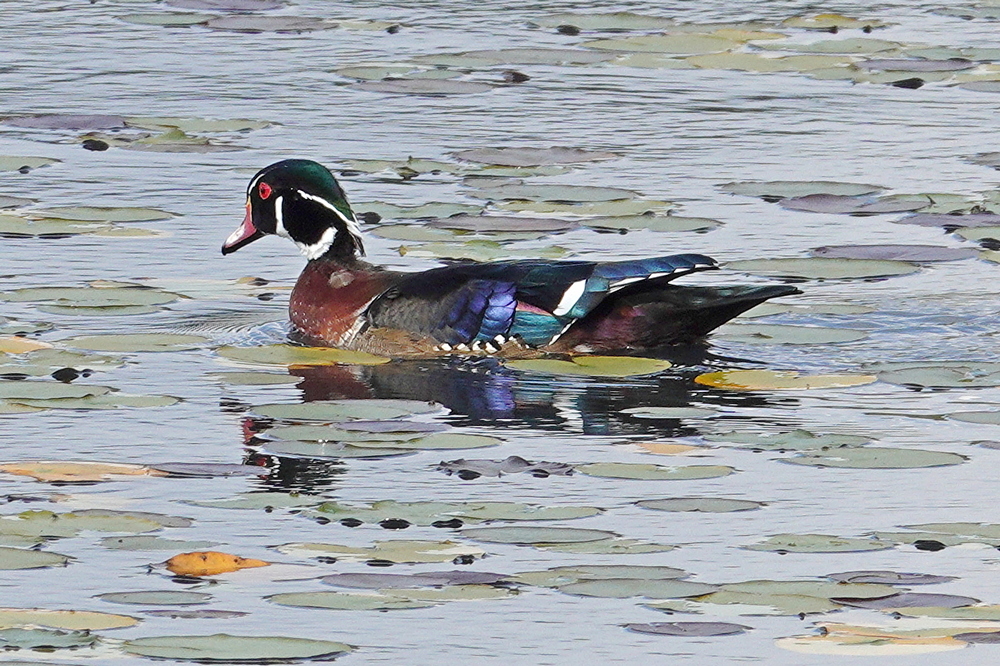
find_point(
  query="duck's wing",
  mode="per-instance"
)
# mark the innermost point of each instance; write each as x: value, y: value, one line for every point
x: 485, y: 304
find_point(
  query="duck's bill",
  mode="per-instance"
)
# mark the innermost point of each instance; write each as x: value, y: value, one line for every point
x: 246, y: 234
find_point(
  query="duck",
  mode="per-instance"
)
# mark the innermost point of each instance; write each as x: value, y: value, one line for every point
x: 504, y: 308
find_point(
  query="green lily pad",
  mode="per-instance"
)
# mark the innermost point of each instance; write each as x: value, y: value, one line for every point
x: 611, y: 21
x: 977, y: 530
x: 15, y: 226
x: 809, y: 588
x: 44, y: 640
x: 659, y: 223
x: 556, y: 193
x: 42, y: 390
x: 616, y: 546
x: 914, y: 253
x: 614, y: 470
x: 437, y: 441
x: 794, y: 440
x: 110, y: 401
x: 147, y: 542
x: 456, y: 593
x: 623, y: 588
x: 15, y: 163
x: 498, y: 223
x: 756, y: 62
x: 821, y: 268
x: 423, y: 86
x: 676, y: 44
x: 871, y: 457
x: 291, y: 355
x: 156, y: 598
x: 75, y: 620
x: 171, y: 19
x: 817, y: 543
x: 330, y: 450
x: 235, y: 649
x: 328, y: 600
x: 513, y: 56
x: 260, y: 501
x: 989, y: 613
x: 689, y: 629
x: 398, y: 551
x: 781, y: 380
x: 940, y: 538
x: 427, y: 513
x: 345, y: 410
x: 669, y: 412
x: 437, y: 209
x: 414, y: 233
x: 946, y: 374
x: 481, y: 250
x: 784, y: 334
x: 700, y: 504
x: 317, y: 433
x: 780, y: 189
x: 618, y: 207
x: 103, y: 214
x: 858, y: 206
x: 137, y: 342
x: 531, y: 535
x: 560, y: 576
x: 253, y: 378
x: 831, y: 22
x: 20, y: 558
x: 851, y: 45
x: 57, y: 525
x: 990, y: 418
x: 90, y: 297
x: 593, y: 366
x: 747, y: 603
x: 196, y: 124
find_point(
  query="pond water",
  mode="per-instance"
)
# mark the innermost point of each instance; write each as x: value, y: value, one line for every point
x: 680, y: 131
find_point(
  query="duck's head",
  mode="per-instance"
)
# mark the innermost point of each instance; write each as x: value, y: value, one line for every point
x: 302, y: 201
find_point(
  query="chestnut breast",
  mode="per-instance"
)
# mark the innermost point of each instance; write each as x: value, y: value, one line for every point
x: 330, y: 296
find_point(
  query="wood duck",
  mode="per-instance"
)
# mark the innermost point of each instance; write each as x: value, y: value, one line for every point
x: 507, y: 307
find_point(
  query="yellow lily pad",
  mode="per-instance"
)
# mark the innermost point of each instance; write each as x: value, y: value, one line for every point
x: 11, y: 344
x: 75, y: 472
x: 767, y: 380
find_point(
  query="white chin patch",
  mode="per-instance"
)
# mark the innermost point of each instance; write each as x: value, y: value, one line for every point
x: 319, y: 248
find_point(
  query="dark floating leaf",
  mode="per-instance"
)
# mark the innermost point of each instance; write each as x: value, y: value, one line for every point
x: 948, y: 220
x: 915, y: 253
x: 423, y: 86
x: 207, y: 470
x: 526, y: 157
x: 67, y: 121
x: 688, y: 628
x: 227, y: 5
x: 915, y: 64
x: 379, y: 581
x: 840, y: 204
x: 908, y: 600
x: 498, y: 223
x: 255, y: 24
x: 979, y: 637
x: 700, y: 504
x: 888, y: 578
x: 471, y: 469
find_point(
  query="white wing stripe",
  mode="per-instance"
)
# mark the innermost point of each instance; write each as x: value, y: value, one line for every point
x: 570, y: 297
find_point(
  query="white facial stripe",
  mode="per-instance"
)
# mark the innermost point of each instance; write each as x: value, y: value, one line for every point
x: 319, y: 248
x: 253, y: 183
x: 352, y: 224
x: 279, y: 216
x: 569, y: 299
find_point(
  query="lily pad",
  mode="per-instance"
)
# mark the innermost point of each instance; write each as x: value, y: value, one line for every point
x: 254, y: 378
x: 347, y: 601
x: 385, y: 581
x: 913, y: 253
x: 531, y: 535
x: 693, y: 629
x: 909, y: 600
x: 700, y: 504
x: 19, y: 227
x: 147, y: 542
x: 793, y: 440
x: 839, y: 204
x: 780, y: 189
x: 610, y: 21
x: 889, y: 578
x: 617, y: 208
x: 521, y: 157
x: 498, y: 223
x: 514, y: 56
x: 851, y: 45
x: 397, y: 551
x: 616, y: 546
x: 66, y: 121
x: 196, y: 124
x: 235, y: 649
x: 659, y: 223
x: 75, y: 620
x: 424, y: 87
x: 256, y: 24
x: 90, y: 297
x: 613, y: 470
x: 73, y: 471
x: 766, y: 380
x: 291, y: 355
x: 560, y: 576
x: 42, y: 390
x: 330, y: 450
x: 991, y: 418
x: 137, y: 342
x: 345, y: 410
x: 593, y: 366
x: 817, y: 543
x: 947, y: 374
x: 831, y: 22
x: 675, y: 44
x: 438, y: 209
x: 109, y: 401
x: 556, y: 193
x: 172, y: 19
x: 916, y: 64
x: 876, y: 458
x: 428, y: 513
x: 156, y: 598
x: 260, y: 501
x: 623, y: 588
x: 21, y: 558
x: 481, y: 250
x: 473, y: 469
x: 44, y: 640
x: 437, y: 441
x: 103, y: 214
x: 823, y: 268
x: 670, y: 412
x: 756, y: 62
x: 948, y: 220
x: 784, y: 334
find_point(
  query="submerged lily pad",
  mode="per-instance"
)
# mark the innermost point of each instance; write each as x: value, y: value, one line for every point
x: 593, y: 366
x: 616, y: 208
x: 784, y: 334
x: 781, y: 189
x: 949, y: 220
x: 793, y: 440
x: 531, y: 535
x: 173, y: 19
x: 889, y: 578
x: 557, y: 193
x: 112, y: 296
x: 944, y: 374
x: 522, y: 157
x: 147, y: 542
x: 623, y: 588
x: 766, y: 380
x: 397, y: 551
x: 871, y: 457
x: 822, y: 268
x: 355, y: 601
x: 700, y: 504
x: 291, y: 355
x: 695, y: 629
x: 388, y: 581
x: 156, y: 598
x: 914, y: 253
x: 614, y: 470
x: 818, y: 543
x: 834, y: 203
x: 498, y: 223
x: 909, y: 600
x: 676, y: 44
x: 513, y: 56
x: 615, y: 546
x: 611, y: 21
x: 235, y: 649
x: 255, y: 24
x: 428, y: 513
x: 44, y: 640
x: 438, y: 209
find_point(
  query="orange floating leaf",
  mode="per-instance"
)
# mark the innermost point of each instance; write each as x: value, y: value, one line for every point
x: 210, y: 563
x: 665, y: 449
x: 12, y: 344
x: 66, y: 471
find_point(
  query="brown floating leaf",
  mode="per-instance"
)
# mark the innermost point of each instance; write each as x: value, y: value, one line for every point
x: 55, y: 471
x: 688, y: 628
x: 210, y: 563
x: 949, y: 220
x: 834, y: 203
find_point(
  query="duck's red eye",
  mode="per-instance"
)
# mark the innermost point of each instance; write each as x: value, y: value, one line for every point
x: 264, y: 190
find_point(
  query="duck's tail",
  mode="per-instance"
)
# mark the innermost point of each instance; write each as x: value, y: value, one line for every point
x: 648, y: 316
